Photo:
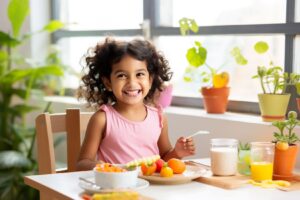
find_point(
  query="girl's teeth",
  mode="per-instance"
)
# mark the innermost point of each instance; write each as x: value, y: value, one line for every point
x: 132, y: 93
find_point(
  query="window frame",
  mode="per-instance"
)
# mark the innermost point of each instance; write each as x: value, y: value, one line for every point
x: 151, y: 12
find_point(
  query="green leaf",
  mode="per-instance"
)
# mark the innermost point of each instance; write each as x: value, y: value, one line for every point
x: 49, y: 70
x: 194, y: 26
x: 7, y: 40
x: 21, y: 109
x: 187, y: 78
x: 15, y: 75
x: 13, y: 159
x: 186, y: 24
x: 196, y: 56
x: 53, y: 26
x: 261, y: 47
x: 17, y: 13
x: 3, y: 56
x: 198, y: 44
x: 239, y: 58
x: 183, y: 26
x: 297, y: 85
x: 19, y: 92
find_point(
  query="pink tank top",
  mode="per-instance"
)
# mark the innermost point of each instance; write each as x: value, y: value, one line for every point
x: 127, y: 140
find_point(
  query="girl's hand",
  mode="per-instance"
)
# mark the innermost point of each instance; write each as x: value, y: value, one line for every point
x: 184, y: 147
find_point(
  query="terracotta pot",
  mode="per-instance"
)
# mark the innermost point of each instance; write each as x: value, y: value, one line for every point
x: 284, y: 162
x: 215, y: 99
x: 273, y: 107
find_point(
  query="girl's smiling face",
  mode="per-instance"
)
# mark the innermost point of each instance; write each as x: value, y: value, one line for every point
x: 130, y: 80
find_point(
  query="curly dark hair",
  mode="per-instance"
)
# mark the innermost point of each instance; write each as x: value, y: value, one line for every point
x: 99, y: 61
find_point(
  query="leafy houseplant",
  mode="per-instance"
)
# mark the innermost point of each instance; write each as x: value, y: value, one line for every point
x: 216, y: 92
x: 274, y: 100
x: 18, y: 85
x: 297, y: 86
x: 286, y: 148
x: 244, y: 158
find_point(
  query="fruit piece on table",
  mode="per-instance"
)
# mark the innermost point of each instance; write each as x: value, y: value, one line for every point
x: 270, y: 183
x: 220, y: 80
x: 178, y: 166
x: 108, y: 167
x: 127, y: 195
x: 282, y: 145
x: 166, y: 171
x: 147, y: 169
x: 159, y: 164
x: 137, y: 162
x: 282, y: 183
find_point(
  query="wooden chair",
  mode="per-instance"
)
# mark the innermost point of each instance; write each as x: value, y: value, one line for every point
x: 73, y: 122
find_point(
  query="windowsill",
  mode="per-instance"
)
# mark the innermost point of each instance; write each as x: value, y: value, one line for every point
x: 229, y: 116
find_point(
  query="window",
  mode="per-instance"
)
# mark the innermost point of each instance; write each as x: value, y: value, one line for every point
x: 229, y: 12
x: 105, y: 15
x: 297, y: 18
x: 297, y: 54
x: 231, y: 23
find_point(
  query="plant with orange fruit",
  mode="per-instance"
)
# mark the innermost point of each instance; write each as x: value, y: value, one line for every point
x: 286, y: 148
x: 197, y: 55
x: 214, y: 80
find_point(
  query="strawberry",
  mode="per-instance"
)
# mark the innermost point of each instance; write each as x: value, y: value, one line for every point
x: 159, y: 164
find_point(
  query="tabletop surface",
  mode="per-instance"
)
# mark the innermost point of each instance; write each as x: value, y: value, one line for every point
x: 67, y: 186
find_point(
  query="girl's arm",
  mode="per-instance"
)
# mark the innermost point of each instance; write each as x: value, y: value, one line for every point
x: 94, y: 134
x: 184, y: 147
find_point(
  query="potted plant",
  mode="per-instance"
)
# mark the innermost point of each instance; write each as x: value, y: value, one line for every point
x: 297, y: 86
x: 286, y: 148
x: 273, y: 101
x: 216, y: 91
x: 18, y: 78
x: 244, y: 158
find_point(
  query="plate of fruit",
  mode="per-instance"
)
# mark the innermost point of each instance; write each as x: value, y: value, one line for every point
x: 174, y: 171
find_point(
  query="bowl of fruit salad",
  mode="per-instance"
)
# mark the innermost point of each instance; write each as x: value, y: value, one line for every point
x: 110, y: 176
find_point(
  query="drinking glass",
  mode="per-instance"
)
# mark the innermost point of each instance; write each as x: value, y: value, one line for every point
x: 244, y: 162
x: 224, y: 154
x: 262, y: 155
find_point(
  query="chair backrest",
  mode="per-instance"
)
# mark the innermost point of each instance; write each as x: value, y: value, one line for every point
x: 73, y: 122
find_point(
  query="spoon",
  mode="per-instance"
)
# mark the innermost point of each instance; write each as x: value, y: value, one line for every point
x: 201, y: 132
x: 90, y: 182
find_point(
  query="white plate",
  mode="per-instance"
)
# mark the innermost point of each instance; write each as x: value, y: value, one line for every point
x: 141, y: 183
x: 191, y: 172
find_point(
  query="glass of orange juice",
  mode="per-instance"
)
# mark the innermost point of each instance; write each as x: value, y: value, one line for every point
x: 262, y: 155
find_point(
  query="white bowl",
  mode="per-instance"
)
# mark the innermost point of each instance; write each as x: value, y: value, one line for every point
x: 113, y: 180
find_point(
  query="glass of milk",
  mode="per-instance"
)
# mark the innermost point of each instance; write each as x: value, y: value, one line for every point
x: 224, y: 156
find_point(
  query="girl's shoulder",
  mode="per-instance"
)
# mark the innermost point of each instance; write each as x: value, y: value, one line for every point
x: 154, y: 108
x: 159, y: 111
x: 100, y: 113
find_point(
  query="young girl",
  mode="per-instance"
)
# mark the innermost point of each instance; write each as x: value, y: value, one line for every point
x: 121, y: 78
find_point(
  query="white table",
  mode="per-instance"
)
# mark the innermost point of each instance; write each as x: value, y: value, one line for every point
x: 66, y: 186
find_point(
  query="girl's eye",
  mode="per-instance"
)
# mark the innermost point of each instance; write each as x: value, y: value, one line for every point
x: 121, y: 76
x: 140, y: 74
